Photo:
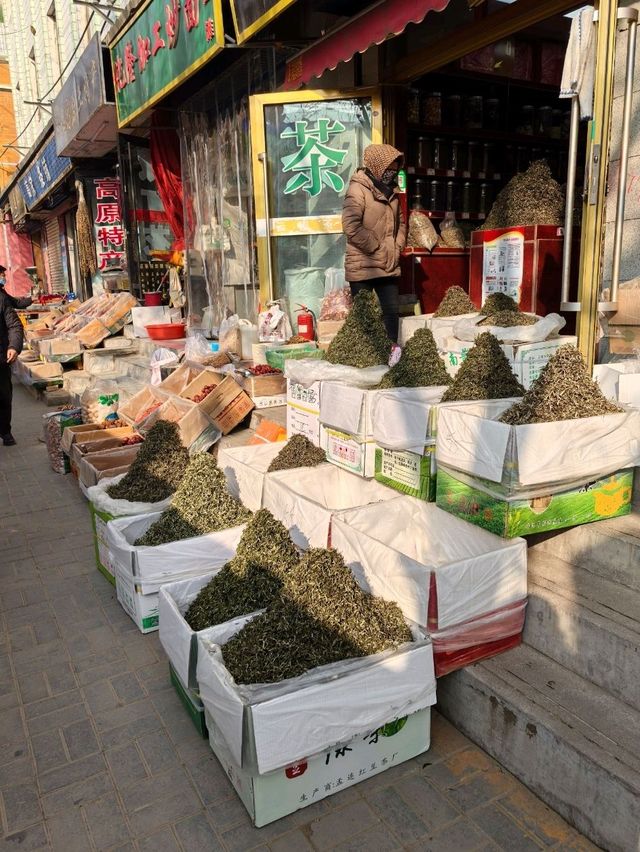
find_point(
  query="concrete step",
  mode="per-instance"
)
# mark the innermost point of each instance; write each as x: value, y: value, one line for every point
x: 608, y: 548
x: 569, y: 741
x: 586, y: 623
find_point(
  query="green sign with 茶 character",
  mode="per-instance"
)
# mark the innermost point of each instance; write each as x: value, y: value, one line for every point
x: 165, y: 42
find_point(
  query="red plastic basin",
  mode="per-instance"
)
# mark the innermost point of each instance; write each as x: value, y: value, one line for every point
x: 166, y: 331
x: 152, y: 300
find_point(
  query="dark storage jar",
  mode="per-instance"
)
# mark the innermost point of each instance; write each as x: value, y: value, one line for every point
x: 474, y: 112
x: 453, y: 195
x: 413, y: 107
x: 437, y: 195
x: 469, y: 198
x: 488, y: 158
x: 458, y: 156
x: 474, y: 158
x: 453, y: 111
x: 492, y: 113
x: 432, y: 109
x: 440, y: 153
x: 425, y: 158
x: 485, y: 199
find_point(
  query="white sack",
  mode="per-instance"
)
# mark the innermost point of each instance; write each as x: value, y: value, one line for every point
x: 347, y: 408
x: 394, y: 548
x: 306, y: 371
x: 305, y: 499
x: 245, y: 469
x: 120, y: 508
x: 549, y: 326
x: 620, y: 381
x: 401, y: 417
x: 305, y: 715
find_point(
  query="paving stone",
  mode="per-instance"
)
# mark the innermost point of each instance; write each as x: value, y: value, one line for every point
x: 160, y: 841
x: 106, y: 822
x: 58, y: 719
x: 22, y: 769
x: 21, y: 806
x: 68, y: 832
x: 48, y: 705
x: 29, y: 840
x: 100, y: 696
x: 33, y: 687
x: 76, y: 771
x: 294, y: 841
x: 158, y: 752
x: 536, y: 817
x: 131, y: 731
x: 74, y: 795
x: 227, y: 813
x: 126, y: 765
x: 48, y: 750
x: 502, y: 829
x: 342, y: 824
x: 80, y: 739
x: 378, y: 838
x: 61, y: 678
x: 160, y: 799
x: 480, y: 788
x: 425, y: 801
x: 196, y: 835
x: 127, y: 688
x: 389, y: 805
x: 210, y: 780
x: 463, y: 836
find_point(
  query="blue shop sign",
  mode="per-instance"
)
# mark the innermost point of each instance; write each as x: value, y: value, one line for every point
x: 43, y: 174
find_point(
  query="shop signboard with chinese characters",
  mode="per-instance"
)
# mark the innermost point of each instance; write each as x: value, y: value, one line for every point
x: 305, y: 147
x: 108, y: 224
x: 250, y: 16
x: 84, y: 114
x: 165, y: 42
x: 46, y: 171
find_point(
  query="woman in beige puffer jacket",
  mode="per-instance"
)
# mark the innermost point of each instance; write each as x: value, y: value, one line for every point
x: 376, y: 232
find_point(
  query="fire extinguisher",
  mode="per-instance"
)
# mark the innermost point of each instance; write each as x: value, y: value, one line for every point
x: 306, y: 323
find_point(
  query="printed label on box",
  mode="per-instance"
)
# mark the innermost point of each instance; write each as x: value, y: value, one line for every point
x: 303, y: 411
x: 349, y: 453
x: 143, y: 609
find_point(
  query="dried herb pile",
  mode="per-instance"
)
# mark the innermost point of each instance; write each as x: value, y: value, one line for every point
x: 200, y: 505
x: 157, y: 469
x: 486, y: 374
x: 363, y: 340
x: 507, y: 319
x: 530, y: 198
x: 455, y: 303
x: 323, y: 616
x: 297, y: 452
x: 564, y: 390
x: 419, y: 366
x: 498, y: 302
x: 252, y: 579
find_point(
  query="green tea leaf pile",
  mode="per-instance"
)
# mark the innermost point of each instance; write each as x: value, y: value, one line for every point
x: 297, y: 452
x: 363, y: 340
x: 507, y: 319
x: 564, y: 390
x: 200, y: 505
x: 486, y: 374
x: 455, y: 303
x: 252, y: 579
x: 530, y: 198
x: 419, y: 366
x: 157, y: 469
x: 498, y: 302
x: 322, y: 616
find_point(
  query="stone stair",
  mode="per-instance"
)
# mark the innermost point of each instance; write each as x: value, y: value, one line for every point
x: 562, y: 712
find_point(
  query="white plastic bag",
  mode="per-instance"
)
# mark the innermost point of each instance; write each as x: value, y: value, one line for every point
x: 97, y: 495
x: 543, y: 329
x: 229, y: 335
x: 161, y: 358
x: 100, y: 402
x: 197, y: 348
x: 306, y: 371
x: 273, y: 324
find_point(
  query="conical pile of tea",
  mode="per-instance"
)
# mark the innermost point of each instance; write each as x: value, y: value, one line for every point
x: 508, y: 319
x: 252, y: 579
x: 486, y: 374
x: 363, y: 340
x: 200, y: 505
x: 157, y: 469
x: 498, y: 302
x: 297, y: 452
x: 455, y: 303
x: 419, y: 366
x: 564, y: 390
x: 530, y: 198
x: 323, y: 616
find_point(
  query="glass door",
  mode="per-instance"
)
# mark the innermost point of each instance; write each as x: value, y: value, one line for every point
x: 305, y: 147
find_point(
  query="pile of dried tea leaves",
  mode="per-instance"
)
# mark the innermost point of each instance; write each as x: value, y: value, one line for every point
x: 252, y: 580
x: 486, y: 374
x: 564, y: 390
x: 498, y: 302
x: 455, y: 303
x: 200, y: 505
x: 363, y: 340
x: 508, y: 319
x: 322, y: 616
x: 297, y: 452
x: 157, y: 469
x: 419, y: 366
x: 530, y: 198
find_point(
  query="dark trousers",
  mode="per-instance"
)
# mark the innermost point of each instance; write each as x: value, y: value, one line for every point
x: 6, y: 393
x: 386, y: 290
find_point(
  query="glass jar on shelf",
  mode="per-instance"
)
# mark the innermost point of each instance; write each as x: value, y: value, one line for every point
x: 474, y: 112
x: 474, y: 157
x: 469, y: 202
x: 485, y: 199
x: 527, y: 120
x: 432, y: 109
x: 453, y: 111
x: 492, y: 113
x: 544, y: 123
x: 437, y: 195
x: 413, y: 107
x: 425, y: 158
x: 440, y: 153
x: 523, y: 159
x: 488, y: 158
x: 453, y: 195
x: 458, y: 156
x: 419, y: 194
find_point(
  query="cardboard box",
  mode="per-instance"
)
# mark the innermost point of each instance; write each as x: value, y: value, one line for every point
x: 348, y: 452
x: 178, y: 380
x: 61, y: 349
x: 72, y: 433
x: 136, y: 410
x: 99, y: 521
x: 92, y: 334
x: 264, y: 386
x: 108, y: 463
x: 327, y: 330
x: 404, y: 418
x: 303, y: 410
x: 226, y: 406
x: 268, y: 727
x: 440, y: 571
x: 472, y: 500
x: 624, y: 339
x: 270, y: 401
x: 628, y: 312
x: 307, y: 498
x: 192, y: 423
x: 191, y: 703
x: 348, y: 409
x: 272, y: 796
x: 409, y: 473
x: 246, y: 470
x: 38, y: 372
x: 141, y: 608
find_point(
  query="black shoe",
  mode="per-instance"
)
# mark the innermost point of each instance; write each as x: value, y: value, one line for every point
x: 8, y: 440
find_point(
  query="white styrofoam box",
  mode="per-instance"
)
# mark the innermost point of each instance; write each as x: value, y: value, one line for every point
x: 348, y: 409
x: 475, y: 571
x: 303, y: 410
x: 348, y: 452
x: 471, y: 439
x: 305, y: 500
x: 620, y: 381
x: 142, y: 608
x: 402, y: 417
x: 267, y: 727
x: 409, y: 325
x: 246, y: 471
x: 274, y: 795
x: 177, y: 638
x: 141, y: 317
x: 150, y: 567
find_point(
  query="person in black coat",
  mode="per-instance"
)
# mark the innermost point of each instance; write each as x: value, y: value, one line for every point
x: 11, y: 339
x: 16, y: 301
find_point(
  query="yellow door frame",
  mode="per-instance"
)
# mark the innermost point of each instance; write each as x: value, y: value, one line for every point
x: 292, y: 226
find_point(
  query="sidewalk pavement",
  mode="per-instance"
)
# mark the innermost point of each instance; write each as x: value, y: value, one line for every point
x: 97, y: 753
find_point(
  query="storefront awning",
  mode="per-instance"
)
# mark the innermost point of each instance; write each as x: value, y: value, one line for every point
x: 373, y: 26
